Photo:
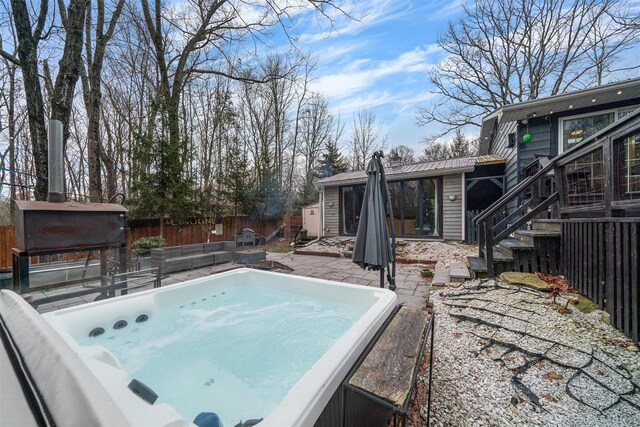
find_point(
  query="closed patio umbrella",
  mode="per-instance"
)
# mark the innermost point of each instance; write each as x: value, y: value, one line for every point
x: 372, y: 248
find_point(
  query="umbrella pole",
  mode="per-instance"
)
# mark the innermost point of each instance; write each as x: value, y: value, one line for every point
x: 382, y: 277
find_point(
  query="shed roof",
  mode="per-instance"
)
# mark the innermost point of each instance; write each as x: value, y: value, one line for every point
x: 439, y: 167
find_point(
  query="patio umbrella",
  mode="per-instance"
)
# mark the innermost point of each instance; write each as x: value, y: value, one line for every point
x: 372, y: 248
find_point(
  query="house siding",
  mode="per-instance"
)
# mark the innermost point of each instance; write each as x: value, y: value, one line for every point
x: 331, y: 213
x: 452, y: 210
x: 500, y: 147
x: 542, y: 139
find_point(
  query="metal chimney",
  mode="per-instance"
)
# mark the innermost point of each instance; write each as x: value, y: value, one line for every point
x: 56, y: 167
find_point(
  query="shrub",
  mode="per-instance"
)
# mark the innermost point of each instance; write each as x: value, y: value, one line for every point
x: 143, y: 246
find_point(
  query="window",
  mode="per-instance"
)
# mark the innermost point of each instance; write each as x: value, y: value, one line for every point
x: 350, y: 205
x: 584, y: 180
x: 576, y: 130
x: 416, y: 207
x: 512, y: 140
x: 627, y: 155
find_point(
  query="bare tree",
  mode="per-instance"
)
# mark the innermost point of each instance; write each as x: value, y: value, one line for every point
x: 507, y: 51
x: 367, y: 138
x: 459, y: 146
x: 96, y: 39
x: 405, y: 155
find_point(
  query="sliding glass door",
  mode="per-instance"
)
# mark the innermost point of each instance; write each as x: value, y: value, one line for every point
x: 417, y: 207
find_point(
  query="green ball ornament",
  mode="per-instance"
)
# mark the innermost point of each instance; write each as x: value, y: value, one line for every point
x: 526, y: 137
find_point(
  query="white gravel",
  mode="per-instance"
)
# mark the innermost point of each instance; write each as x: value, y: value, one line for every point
x: 528, y: 364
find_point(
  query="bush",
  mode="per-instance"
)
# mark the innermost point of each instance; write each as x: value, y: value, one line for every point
x: 143, y: 246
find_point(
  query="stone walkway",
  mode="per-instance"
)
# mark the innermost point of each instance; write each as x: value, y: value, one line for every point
x: 507, y: 356
x: 412, y: 290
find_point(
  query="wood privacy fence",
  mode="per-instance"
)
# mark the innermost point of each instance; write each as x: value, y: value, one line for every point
x: 600, y: 259
x: 174, y: 235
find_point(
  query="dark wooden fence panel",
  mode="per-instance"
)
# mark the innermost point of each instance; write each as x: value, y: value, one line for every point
x: 600, y: 259
x: 174, y: 234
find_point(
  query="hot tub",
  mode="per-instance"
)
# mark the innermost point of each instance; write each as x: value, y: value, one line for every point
x: 244, y: 344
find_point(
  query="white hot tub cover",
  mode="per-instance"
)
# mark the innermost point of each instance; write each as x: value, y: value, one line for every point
x: 72, y: 394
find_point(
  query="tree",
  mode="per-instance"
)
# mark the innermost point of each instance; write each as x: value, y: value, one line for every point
x: 406, y: 155
x: 235, y: 188
x: 508, y: 51
x: 332, y: 162
x: 366, y: 138
x: 459, y: 146
x: 92, y: 92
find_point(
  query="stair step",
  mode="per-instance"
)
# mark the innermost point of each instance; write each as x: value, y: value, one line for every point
x: 510, y: 245
x: 527, y: 236
x: 500, y: 256
x: 477, y: 264
x: 553, y: 225
x: 458, y: 272
x: 441, y: 277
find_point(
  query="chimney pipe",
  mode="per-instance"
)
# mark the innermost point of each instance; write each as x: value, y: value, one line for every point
x: 56, y: 169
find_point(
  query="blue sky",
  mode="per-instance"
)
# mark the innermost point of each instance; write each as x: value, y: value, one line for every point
x: 380, y: 61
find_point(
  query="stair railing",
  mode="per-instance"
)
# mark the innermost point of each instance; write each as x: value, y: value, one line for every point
x: 524, y: 202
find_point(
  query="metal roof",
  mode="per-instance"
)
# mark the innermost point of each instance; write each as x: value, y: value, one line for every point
x: 600, y: 95
x: 439, y: 167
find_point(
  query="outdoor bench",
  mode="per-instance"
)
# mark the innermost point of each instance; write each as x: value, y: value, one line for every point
x: 188, y: 257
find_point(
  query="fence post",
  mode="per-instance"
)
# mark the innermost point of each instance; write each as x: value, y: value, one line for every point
x: 488, y: 246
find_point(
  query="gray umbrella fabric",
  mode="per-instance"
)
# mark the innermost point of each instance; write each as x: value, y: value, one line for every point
x: 372, y: 249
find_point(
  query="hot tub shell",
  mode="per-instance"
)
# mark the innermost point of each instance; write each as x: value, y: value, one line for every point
x: 305, y: 401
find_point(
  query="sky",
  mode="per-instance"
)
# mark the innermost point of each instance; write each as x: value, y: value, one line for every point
x: 380, y: 61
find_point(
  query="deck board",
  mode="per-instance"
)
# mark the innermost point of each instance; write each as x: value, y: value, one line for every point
x: 387, y: 371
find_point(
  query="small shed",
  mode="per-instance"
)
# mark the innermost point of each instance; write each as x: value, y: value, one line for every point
x: 311, y: 219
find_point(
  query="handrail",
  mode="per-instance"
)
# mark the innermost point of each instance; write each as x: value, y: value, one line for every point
x: 513, y: 192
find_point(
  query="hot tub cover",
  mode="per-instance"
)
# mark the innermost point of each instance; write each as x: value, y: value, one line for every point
x: 72, y: 394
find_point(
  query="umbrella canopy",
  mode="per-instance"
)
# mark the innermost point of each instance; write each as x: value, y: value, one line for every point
x: 372, y: 248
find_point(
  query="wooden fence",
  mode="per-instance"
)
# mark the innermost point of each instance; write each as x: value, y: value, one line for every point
x: 174, y: 235
x: 600, y: 259
x: 7, y: 241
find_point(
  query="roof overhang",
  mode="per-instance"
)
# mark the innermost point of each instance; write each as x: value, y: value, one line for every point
x: 400, y: 176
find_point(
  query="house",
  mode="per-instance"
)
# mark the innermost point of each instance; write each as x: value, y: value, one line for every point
x: 572, y: 200
x: 430, y: 199
x: 546, y: 127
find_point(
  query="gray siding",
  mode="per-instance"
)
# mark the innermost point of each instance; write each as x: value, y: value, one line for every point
x: 500, y: 147
x: 452, y: 210
x: 540, y: 144
x: 331, y: 220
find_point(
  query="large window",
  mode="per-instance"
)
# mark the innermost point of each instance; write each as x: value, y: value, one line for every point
x: 576, y: 130
x: 584, y: 180
x: 416, y: 207
x: 627, y: 154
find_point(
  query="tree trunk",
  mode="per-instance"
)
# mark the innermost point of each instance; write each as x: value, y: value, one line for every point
x: 28, y: 54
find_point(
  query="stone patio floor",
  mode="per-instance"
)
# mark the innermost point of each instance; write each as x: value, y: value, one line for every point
x: 412, y: 290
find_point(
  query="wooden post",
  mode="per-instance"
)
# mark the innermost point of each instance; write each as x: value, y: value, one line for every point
x: 488, y: 252
x: 608, y: 170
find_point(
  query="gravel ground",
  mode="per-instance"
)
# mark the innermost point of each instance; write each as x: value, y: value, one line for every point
x: 441, y: 253
x: 506, y: 356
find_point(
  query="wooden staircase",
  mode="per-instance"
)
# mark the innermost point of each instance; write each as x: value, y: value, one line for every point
x: 520, y: 232
x: 528, y: 251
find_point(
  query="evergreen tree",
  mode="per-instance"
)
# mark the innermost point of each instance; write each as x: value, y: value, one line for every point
x: 332, y: 161
x: 235, y: 182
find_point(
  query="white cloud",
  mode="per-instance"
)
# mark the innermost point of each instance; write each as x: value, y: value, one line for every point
x: 360, y: 17
x: 363, y: 73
